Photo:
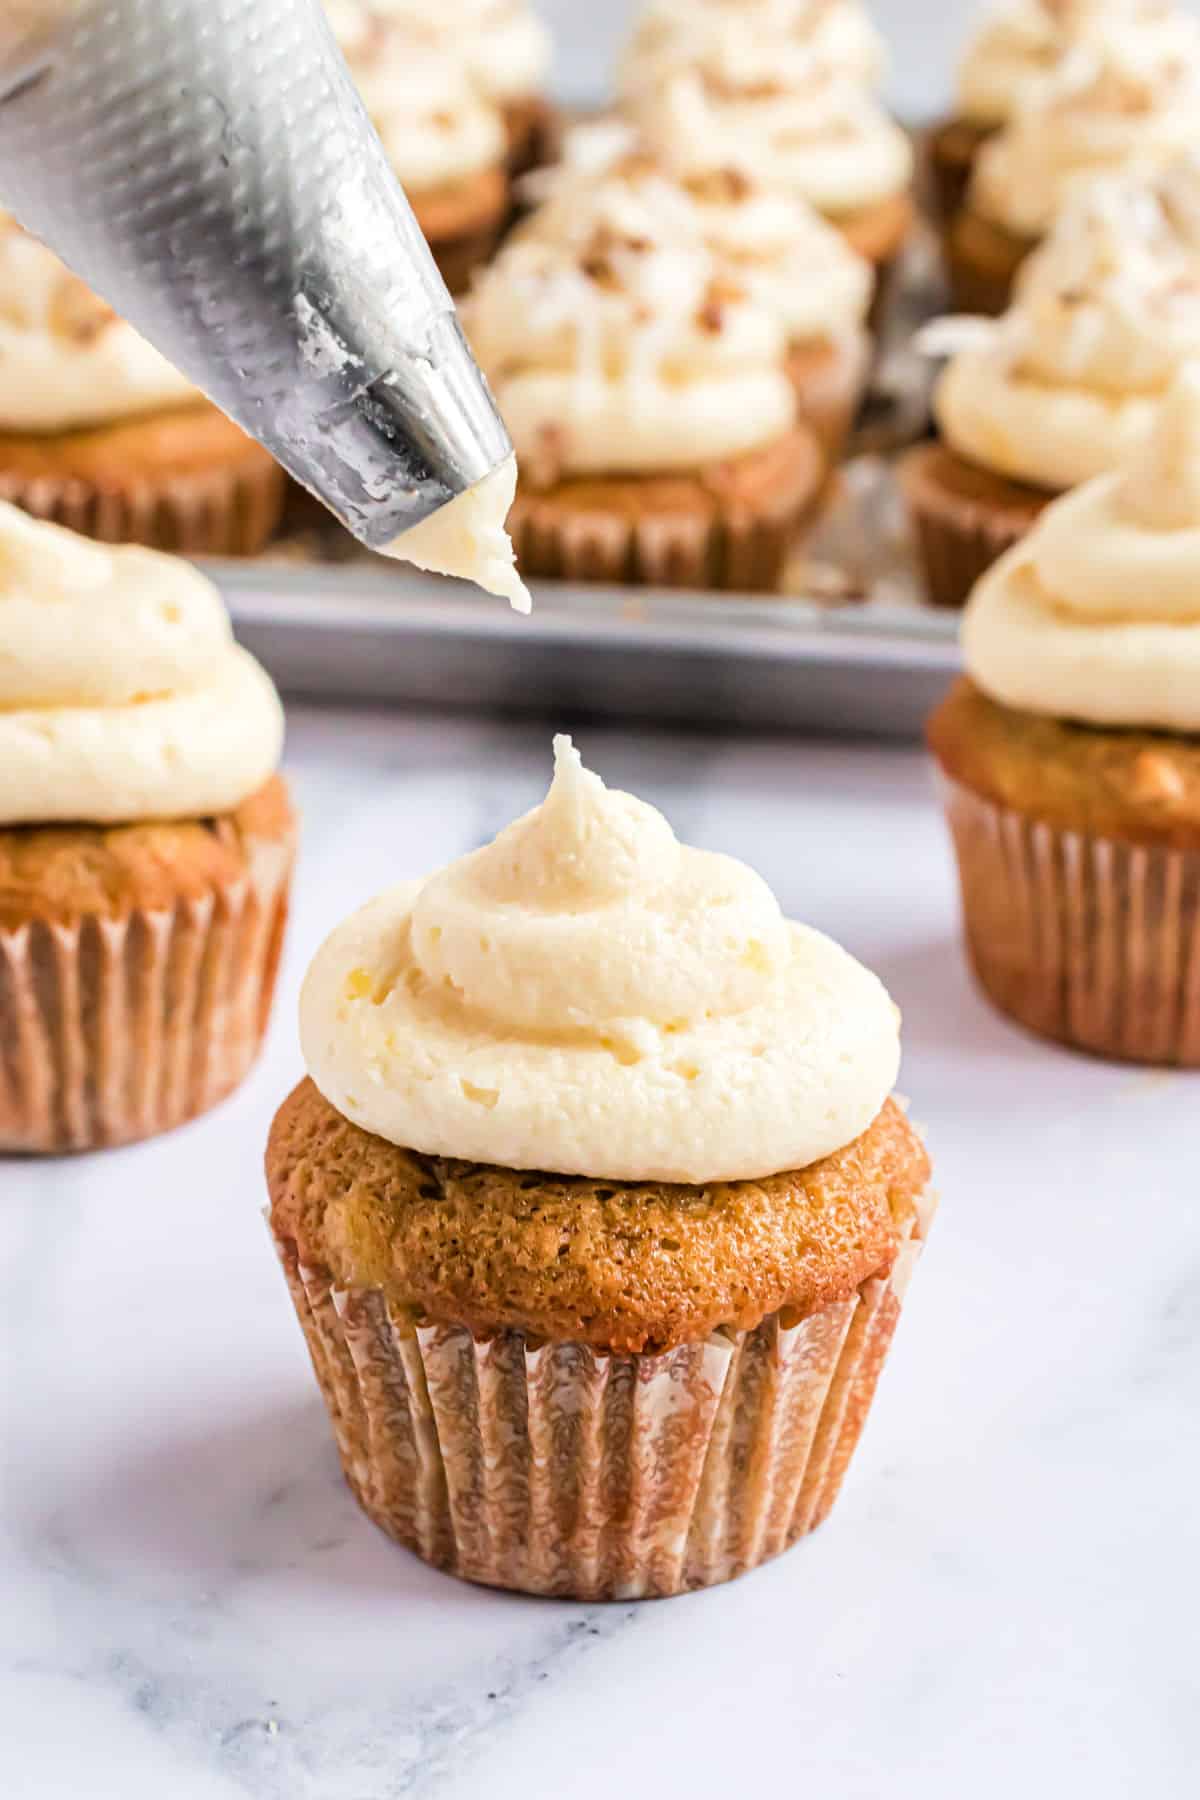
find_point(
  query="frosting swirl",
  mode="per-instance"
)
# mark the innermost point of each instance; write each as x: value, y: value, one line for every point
x: 778, y: 249
x: 618, y: 353
x: 1024, y: 41
x: 66, y: 360
x: 1068, y: 382
x: 122, y: 693
x: 1108, y: 108
x: 673, y: 35
x: 787, y: 124
x: 436, y: 124
x: 1096, y: 614
x: 503, y: 43
x: 587, y: 995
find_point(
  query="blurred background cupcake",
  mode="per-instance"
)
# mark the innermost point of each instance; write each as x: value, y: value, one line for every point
x: 99, y: 433
x: 649, y: 398
x: 1061, y: 388
x: 596, y: 1210
x: 1019, y: 43
x: 146, y: 843
x: 669, y: 35
x: 1071, y: 759
x: 1123, y: 107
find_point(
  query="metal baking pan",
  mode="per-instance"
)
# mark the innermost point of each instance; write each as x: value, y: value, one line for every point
x: 357, y: 632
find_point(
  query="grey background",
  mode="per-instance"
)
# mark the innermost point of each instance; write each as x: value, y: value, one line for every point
x: 923, y: 35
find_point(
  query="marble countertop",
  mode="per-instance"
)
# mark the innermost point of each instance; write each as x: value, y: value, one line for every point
x: 1004, y: 1599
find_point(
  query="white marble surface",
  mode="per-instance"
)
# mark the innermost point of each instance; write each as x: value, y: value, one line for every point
x: 1003, y: 1601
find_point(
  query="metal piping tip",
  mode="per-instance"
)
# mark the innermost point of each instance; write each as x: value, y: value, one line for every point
x: 209, y: 169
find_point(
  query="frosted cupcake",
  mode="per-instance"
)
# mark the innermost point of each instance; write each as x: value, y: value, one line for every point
x: 444, y: 136
x: 99, y: 433
x: 1111, y: 109
x: 1019, y: 44
x: 775, y: 247
x: 792, y: 127
x: 1059, y: 390
x: 146, y: 843
x: 671, y: 35
x: 649, y: 399
x: 502, y: 44
x: 1071, y: 758
x: 595, y: 1208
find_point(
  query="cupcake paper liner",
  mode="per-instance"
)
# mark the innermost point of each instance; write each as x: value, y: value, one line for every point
x: 1091, y: 941
x: 982, y: 262
x: 214, y: 512
x: 555, y: 1469
x: 951, y: 151
x: 114, y: 1029
x: 830, y: 381
x: 958, y: 537
x: 730, y: 527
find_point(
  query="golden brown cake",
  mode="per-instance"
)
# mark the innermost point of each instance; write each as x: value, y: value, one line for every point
x: 1071, y: 760
x: 637, y: 1383
x: 145, y: 844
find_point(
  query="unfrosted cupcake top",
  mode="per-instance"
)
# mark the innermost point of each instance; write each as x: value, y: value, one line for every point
x: 1096, y: 614
x: 587, y: 995
x: 502, y: 43
x: 1110, y: 108
x: 1022, y: 41
x: 787, y: 123
x: 1067, y: 383
x: 786, y: 257
x: 122, y: 693
x: 621, y: 353
x: 436, y: 123
x: 66, y: 360
x: 675, y: 35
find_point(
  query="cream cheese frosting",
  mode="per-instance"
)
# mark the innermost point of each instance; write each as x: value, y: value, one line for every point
x: 1109, y: 108
x: 1067, y: 384
x: 1096, y: 614
x: 586, y: 995
x: 778, y: 248
x: 122, y: 693
x: 436, y: 124
x: 467, y: 538
x: 622, y: 354
x: 790, y: 127
x: 1022, y: 41
x: 673, y: 35
x: 503, y: 44
x: 66, y: 360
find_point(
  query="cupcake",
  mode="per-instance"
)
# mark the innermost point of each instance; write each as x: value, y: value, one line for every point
x: 670, y: 35
x: 146, y: 842
x: 649, y: 398
x: 595, y: 1208
x: 1021, y: 43
x: 1110, y: 109
x: 774, y: 246
x: 794, y: 127
x: 99, y: 433
x: 444, y: 136
x: 1071, y: 760
x: 1060, y: 389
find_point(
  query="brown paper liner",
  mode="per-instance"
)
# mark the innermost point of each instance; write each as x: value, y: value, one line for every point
x: 188, y: 481
x: 963, y: 518
x: 948, y: 163
x: 556, y: 1469
x: 830, y: 380
x: 112, y: 1030
x: 982, y: 261
x: 1091, y: 941
x: 729, y: 526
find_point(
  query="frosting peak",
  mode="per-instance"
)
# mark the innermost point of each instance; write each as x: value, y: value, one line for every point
x: 1096, y: 614
x: 588, y: 995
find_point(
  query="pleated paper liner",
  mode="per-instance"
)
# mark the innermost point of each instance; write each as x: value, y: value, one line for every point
x: 187, y: 481
x: 963, y: 519
x: 982, y: 261
x: 830, y: 378
x: 950, y: 153
x: 112, y: 1030
x: 1090, y: 941
x: 556, y: 1469
x: 729, y: 526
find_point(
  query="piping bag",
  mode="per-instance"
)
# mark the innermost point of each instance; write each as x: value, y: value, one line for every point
x: 208, y: 167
